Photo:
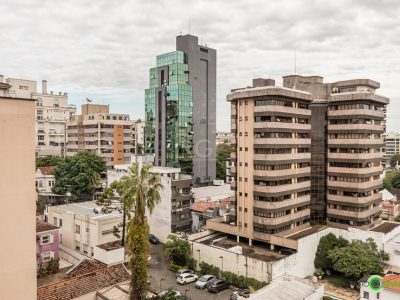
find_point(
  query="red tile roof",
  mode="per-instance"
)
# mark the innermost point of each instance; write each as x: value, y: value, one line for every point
x: 202, y: 206
x: 44, y: 226
x: 89, y: 276
x: 385, y: 227
x: 111, y: 246
x: 47, y: 170
x: 392, y: 282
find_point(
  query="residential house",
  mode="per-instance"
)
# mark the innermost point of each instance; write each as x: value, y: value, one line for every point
x: 83, y: 226
x: 47, y: 243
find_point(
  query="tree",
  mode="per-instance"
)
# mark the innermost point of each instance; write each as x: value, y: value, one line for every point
x: 326, y: 244
x: 140, y: 191
x: 394, y: 159
x: 223, y: 154
x: 178, y: 250
x: 396, y: 180
x: 48, y: 161
x: 358, y: 258
x: 387, y: 181
x: 79, y: 174
x: 139, y: 149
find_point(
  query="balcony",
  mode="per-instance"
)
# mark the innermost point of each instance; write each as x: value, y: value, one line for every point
x: 281, y: 204
x: 284, y: 219
x: 356, y: 156
x: 280, y: 141
x: 281, y: 188
x: 353, y: 214
x: 282, y: 109
x: 279, y: 125
x: 371, y: 127
x: 277, y: 173
x: 364, y: 142
x: 218, y: 225
x: 354, y: 200
x: 283, y: 157
x: 355, y: 185
x: 356, y: 171
x: 355, y: 112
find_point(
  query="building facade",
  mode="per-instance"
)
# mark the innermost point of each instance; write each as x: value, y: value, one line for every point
x: 17, y: 194
x: 392, y: 146
x: 180, y: 110
x: 47, y: 243
x: 99, y: 131
x: 225, y: 137
x: 82, y: 225
x: 52, y: 112
x: 307, y: 152
x: 138, y: 137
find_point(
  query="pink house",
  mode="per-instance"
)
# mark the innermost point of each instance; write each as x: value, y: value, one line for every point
x: 47, y: 243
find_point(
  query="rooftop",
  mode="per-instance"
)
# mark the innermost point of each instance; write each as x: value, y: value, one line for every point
x: 46, y: 170
x: 306, y: 232
x: 213, y: 191
x: 88, y: 276
x: 201, y: 206
x: 111, y: 246
x: 288, y: 288
x: 385, y: 227
x: 120, y: 292
x: 44, y: 226
x: 89, y: 209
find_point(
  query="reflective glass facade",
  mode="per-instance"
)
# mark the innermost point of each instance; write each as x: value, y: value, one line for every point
x: 168, y: 104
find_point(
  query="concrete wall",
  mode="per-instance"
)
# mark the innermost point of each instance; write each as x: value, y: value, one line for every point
x: 232, y: 262
x: 109, y: 257
x: 160, y: 219
x: 17, y: 198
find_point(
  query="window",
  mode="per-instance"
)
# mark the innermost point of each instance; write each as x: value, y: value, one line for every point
x: 85, y: 248
x: 366, y: 295
x: 77, y: 229
x: 60, y: 238
x: 77, y: 246
x: 46, y: 239
x: 60, y: 222
x: 105, y: 232
x: 47, y: 256
x: 55, y: 221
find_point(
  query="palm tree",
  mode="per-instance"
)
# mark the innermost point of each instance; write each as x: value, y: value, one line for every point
x: 140, y: 191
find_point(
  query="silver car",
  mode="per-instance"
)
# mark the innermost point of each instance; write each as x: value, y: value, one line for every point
x: 203, y: 281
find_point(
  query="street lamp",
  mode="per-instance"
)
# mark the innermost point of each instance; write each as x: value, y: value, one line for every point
x: 186, y: 290
x: 222, y: 263
x: 198, y: 250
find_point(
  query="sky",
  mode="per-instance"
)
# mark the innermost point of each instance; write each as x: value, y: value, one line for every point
x: 103, y: 49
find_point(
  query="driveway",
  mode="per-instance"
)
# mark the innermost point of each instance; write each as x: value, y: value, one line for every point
x: 161, y: 278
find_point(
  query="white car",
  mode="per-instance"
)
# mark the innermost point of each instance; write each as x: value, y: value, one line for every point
x: 186, y: 278
x: 183, y: 271
x: 203, y: 281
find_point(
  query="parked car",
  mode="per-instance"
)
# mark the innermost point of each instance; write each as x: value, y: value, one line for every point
x: 186, y: 278
x: 153, y: 239
x: 170, y: 292
x: 203, y: 281
x: 287, y: 251
x: 243, y: 293
x: 184, y: 271
x: 217, y: 285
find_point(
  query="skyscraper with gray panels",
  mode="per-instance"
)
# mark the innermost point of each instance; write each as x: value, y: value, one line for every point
x: 180, y: 110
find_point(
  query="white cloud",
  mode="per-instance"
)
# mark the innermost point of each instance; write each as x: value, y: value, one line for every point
x: 103, y: 49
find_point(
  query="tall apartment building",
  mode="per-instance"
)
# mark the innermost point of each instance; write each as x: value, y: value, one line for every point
x: 392, y: 146
x: 99, y: 131
x: 307, y: 152
x: 17, y: 194
x: 138, y: 136
x: 180, y: 111
x: 52, y: 114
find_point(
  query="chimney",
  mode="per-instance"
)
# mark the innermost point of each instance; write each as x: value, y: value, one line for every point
x: 44, y: 86
x: 1, y: 79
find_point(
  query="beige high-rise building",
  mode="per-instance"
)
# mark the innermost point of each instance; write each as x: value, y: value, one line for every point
x: 17, y: 196
x: 99, y: 131
x: 305, y: 153
x: 52, y: 112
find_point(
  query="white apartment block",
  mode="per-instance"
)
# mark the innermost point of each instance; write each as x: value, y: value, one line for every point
x: 138, y: 134
x: 83, y: 226
x: 392, y: 145
x: 52, y: 112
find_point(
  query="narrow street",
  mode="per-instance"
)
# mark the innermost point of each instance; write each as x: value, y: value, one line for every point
x: 161, y: 278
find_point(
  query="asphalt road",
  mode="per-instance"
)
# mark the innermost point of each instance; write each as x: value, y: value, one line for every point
x: 161, y: 278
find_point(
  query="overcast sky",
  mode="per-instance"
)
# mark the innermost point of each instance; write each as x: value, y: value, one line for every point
x: 103, y: 49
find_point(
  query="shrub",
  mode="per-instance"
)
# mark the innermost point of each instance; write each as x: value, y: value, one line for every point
x: 175, y: 268
x: 191, y: 262
x: 206, y: 268
x: 243, y: 282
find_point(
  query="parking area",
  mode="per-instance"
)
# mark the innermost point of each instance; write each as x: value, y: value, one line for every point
x: 161, y: 278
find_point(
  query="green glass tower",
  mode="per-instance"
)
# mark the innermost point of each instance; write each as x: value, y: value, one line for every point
x: 168, y: 113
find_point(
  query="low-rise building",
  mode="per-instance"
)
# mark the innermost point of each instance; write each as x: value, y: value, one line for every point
x: 390, y: 205
x: 45, y: 179
x: 47, y: 243
x: 225, y: 137
x: 83, y: 226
